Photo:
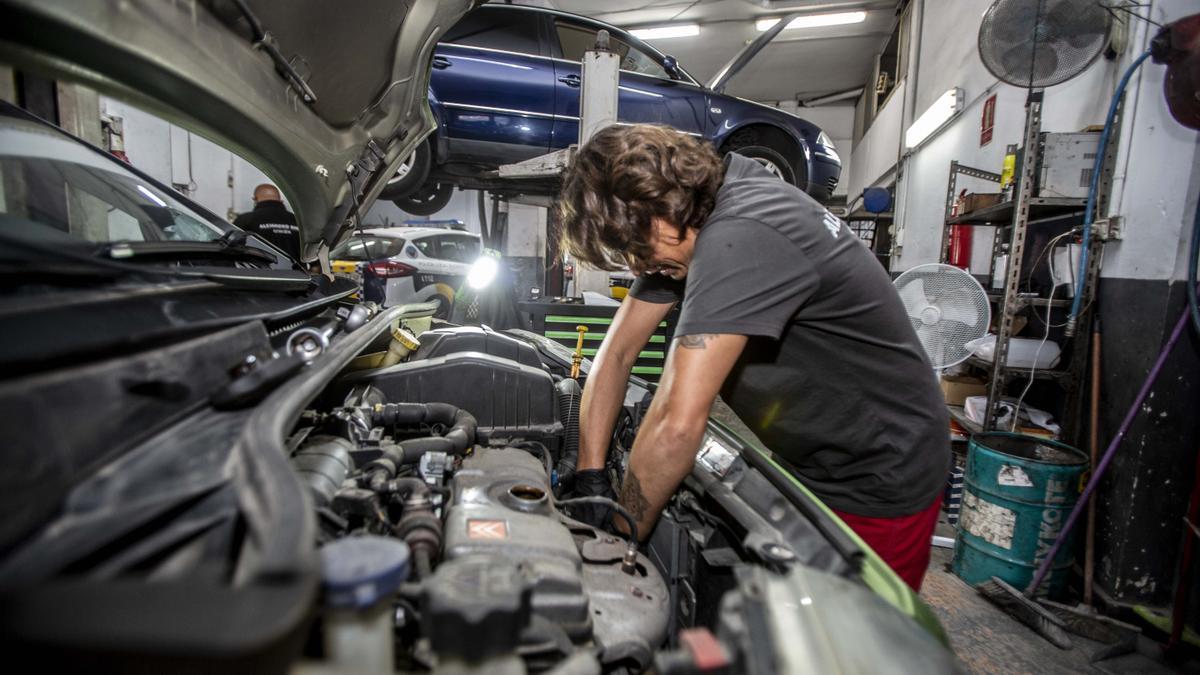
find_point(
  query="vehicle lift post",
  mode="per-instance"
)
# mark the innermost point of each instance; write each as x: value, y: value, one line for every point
x: 600, y: 72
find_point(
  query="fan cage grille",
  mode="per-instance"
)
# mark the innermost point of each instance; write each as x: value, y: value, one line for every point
x: 947, y: 308
x: 1041, y: 43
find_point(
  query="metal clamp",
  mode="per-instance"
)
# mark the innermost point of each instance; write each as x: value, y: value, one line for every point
x: 1108, y: 229
x: 308, y: 343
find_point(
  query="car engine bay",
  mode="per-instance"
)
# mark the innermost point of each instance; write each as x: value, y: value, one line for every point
x: 475, y: 493
x: 420, y: 518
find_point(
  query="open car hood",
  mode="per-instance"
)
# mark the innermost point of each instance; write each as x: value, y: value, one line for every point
x: 327, y: 98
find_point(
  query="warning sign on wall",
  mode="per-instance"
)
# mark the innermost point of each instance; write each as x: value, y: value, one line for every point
x: 988, y: 122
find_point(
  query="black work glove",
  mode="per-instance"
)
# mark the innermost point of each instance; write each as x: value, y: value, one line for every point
x: 592, y: 483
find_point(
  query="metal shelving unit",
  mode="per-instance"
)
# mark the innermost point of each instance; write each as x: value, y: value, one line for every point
x: 1018, y: 215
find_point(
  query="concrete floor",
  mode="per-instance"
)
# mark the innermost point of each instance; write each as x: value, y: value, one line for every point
x: 987, y: 640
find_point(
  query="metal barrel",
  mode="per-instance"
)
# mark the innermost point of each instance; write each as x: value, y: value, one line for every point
x: 1019, y: 492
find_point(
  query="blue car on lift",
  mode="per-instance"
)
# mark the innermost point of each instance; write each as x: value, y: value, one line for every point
x: 505, y: 87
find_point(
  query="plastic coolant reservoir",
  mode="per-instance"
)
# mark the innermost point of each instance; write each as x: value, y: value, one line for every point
x: 1022, y: 352
x: 403, y: 343
x: 360, y: 575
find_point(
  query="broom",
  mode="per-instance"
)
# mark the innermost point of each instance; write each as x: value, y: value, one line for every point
x: 1022, y: 606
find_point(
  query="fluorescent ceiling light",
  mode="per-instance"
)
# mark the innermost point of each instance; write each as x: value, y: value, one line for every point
x: 946, y: 107
x: 815, y: 20
x: 664, y: 32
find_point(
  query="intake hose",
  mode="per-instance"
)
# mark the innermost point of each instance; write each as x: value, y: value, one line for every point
x: 457, y: 438
x: 569, y: 400
x: 411, y: 414
x: 322, y: 463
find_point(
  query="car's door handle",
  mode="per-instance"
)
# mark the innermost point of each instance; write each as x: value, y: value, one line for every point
x: 570, y: 80
x: 441, y: 62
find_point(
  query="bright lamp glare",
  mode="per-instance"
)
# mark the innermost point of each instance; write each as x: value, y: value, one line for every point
x: 663, y: 32
x: 948, y: 105
x: 482, y: 272
x: 815, y: 20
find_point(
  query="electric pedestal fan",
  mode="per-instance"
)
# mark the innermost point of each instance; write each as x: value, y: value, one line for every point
x: 947, y: 307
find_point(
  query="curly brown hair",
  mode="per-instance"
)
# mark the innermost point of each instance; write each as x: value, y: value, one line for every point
x: 623, y: 177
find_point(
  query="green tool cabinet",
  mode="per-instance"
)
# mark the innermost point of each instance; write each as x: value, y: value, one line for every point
x: 557, y: 321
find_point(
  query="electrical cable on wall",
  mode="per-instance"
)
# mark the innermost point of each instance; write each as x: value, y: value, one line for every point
x: 1094, y: 184
x: 1046, y: 334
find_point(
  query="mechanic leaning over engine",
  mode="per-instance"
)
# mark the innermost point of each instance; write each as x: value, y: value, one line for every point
x: 785, y: 313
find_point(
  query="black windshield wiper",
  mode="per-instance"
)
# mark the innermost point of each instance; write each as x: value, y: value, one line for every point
x: 284, y: 280
x: 186, y: 250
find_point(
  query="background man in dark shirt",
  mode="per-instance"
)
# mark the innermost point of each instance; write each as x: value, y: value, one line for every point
x: 271, y: 220
x: 785, y: 313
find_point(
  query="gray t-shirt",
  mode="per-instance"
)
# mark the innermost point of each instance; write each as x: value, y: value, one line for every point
x: 833, y: 378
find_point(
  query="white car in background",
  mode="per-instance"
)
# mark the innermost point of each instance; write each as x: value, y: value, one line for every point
x: 401, y: 265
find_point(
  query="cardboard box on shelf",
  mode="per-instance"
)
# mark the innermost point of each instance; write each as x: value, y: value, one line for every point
x: 956, y: 388
x: 978, y: 200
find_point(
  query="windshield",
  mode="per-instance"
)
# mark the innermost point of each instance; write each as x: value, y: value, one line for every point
x: 49, y: 180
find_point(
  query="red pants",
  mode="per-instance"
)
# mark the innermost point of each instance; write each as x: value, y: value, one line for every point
x: 903, y: 543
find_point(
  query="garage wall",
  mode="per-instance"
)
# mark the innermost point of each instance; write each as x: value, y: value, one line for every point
x: 1140, y: 296
x: 213, y: 176
x: 874, y: 157
x: 949, y: 58
x: 1157, y: 162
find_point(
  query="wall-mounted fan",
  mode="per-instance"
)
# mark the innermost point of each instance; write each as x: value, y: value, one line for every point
x: 1041, y: 43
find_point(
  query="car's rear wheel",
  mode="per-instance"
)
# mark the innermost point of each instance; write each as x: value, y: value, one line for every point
x: 427, y: 199
x: 410, y: 175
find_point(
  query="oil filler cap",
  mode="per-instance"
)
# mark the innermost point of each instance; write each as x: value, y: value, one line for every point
x: 357, y: 572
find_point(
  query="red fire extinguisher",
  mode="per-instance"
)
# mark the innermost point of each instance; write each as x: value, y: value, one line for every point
x: 959, y: 253
x: 958, y: 249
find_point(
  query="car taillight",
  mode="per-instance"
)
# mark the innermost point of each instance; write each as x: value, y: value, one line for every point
x: 388, y: 269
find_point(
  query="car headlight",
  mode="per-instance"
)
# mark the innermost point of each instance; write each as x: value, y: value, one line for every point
x: 826, y: 141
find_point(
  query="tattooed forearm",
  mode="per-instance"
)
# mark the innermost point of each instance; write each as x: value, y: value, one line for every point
x: 699, y: 341
x: 632, y: 498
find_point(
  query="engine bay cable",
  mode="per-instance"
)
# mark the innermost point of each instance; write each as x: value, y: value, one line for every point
x: 611, y: 503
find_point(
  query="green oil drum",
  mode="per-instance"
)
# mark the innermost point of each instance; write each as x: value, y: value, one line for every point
x: 1018, y: 492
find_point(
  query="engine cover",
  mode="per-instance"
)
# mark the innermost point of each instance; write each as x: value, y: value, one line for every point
x: 503, y: 509
x: 510, y: 400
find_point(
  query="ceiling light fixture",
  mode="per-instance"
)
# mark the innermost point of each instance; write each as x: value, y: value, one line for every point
x: 663, y: 32
x: 934, y: 118
x: 815, y: 20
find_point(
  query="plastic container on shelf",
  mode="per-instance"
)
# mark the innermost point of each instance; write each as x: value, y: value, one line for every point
x: 1022, y: 352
